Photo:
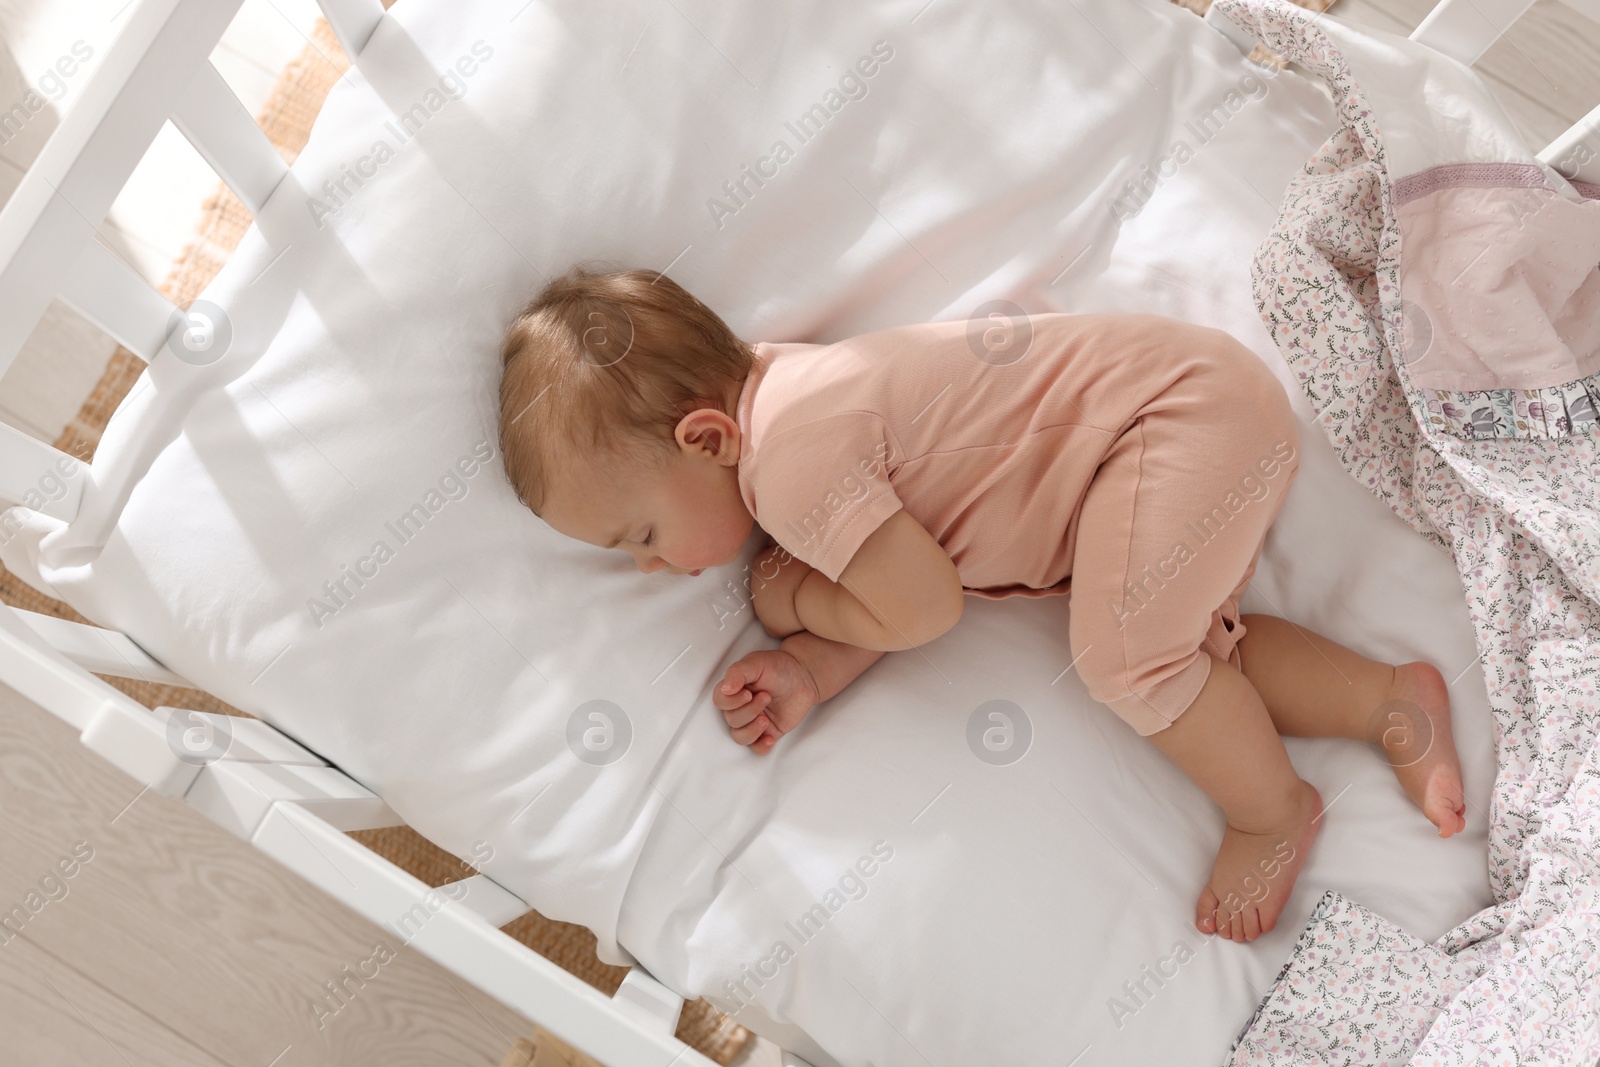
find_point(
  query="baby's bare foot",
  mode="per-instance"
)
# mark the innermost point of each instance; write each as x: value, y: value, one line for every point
x: 1412, y: 728
x: 1254, y: 872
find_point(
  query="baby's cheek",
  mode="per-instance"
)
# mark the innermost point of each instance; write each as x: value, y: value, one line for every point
x: 717, y: 540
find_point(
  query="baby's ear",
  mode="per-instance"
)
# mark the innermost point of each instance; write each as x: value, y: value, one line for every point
x: 711, y: 429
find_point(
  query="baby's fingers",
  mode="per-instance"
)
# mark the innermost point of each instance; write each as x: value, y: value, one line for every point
x: 742, y: 715
x: 731, y: 691
x: 751, y: 730
x: 728, y: 701
x: 763, y: 744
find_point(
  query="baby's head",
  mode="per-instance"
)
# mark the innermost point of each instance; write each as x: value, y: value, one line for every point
x: 618, y: 420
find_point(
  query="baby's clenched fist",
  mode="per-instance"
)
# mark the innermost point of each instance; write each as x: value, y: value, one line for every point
x: 764, y: 696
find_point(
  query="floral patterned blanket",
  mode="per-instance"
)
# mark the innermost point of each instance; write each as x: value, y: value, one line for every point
x: 1436, y: 290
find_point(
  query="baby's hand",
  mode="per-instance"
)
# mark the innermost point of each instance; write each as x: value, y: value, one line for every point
x: 764, y: 696
x: 775, y: 578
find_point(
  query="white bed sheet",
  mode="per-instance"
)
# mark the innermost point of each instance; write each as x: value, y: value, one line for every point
x: 982, y: 162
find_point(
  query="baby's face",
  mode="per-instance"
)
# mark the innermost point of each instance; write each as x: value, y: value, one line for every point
x: 683, y: 519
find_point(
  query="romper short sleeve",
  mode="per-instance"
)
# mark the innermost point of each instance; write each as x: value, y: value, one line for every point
x: 822, y: 487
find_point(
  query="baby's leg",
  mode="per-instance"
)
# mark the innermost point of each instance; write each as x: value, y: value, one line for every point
x: 1226, y: 743
x: 1314, y: 687
x: 1169, y: 529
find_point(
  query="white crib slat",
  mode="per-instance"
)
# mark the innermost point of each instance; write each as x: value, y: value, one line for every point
x: 39, y: 477
x: 352, y: 22
x: 112, y: 724
x: 653, y: 1003
x: 41, y: 236
x: 136, y: 742
x: 238, y: 796
x: 489, y: 900
x: 65, y: 195
x: 457, y: 939
x: 1576, y: 153
x: 99, y: 650
x: 222, y: 131
x: 249, y: 740
x: 1464, y: 29
x: 108, y: 293
x: 49, y: 679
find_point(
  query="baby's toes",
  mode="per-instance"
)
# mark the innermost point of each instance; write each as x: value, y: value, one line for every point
x: 1252, y: 923
x: 1447, y: 812
x: 1205, y: 912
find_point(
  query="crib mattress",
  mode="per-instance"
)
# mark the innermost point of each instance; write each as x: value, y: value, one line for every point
x: 315, y: 526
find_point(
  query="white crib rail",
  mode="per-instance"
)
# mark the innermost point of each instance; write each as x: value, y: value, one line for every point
x: 157, y: 68
x: 47, y: 229
x: 290, y: 803
x: 352, y: 22
x: 99, y: 651
x: 283, y: 798
x: 222, y: 131
x: 1464, y: 30
x: 50, y: 222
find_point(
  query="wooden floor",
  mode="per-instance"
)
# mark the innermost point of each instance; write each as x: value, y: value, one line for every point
x: 1545, y: 71
x: 172, y: 942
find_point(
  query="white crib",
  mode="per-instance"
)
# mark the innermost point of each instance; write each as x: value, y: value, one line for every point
x: 286, y: 800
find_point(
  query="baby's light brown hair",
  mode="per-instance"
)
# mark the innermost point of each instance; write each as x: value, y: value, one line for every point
x: 610, y: 360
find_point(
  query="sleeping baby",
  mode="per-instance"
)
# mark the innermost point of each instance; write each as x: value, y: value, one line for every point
x: 1130, y: 461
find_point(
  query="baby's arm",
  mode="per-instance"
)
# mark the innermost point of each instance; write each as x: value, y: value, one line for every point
x: 767, y: 694
x: 832, y: 664
x: 898, y: 591
x: 899, y: 569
